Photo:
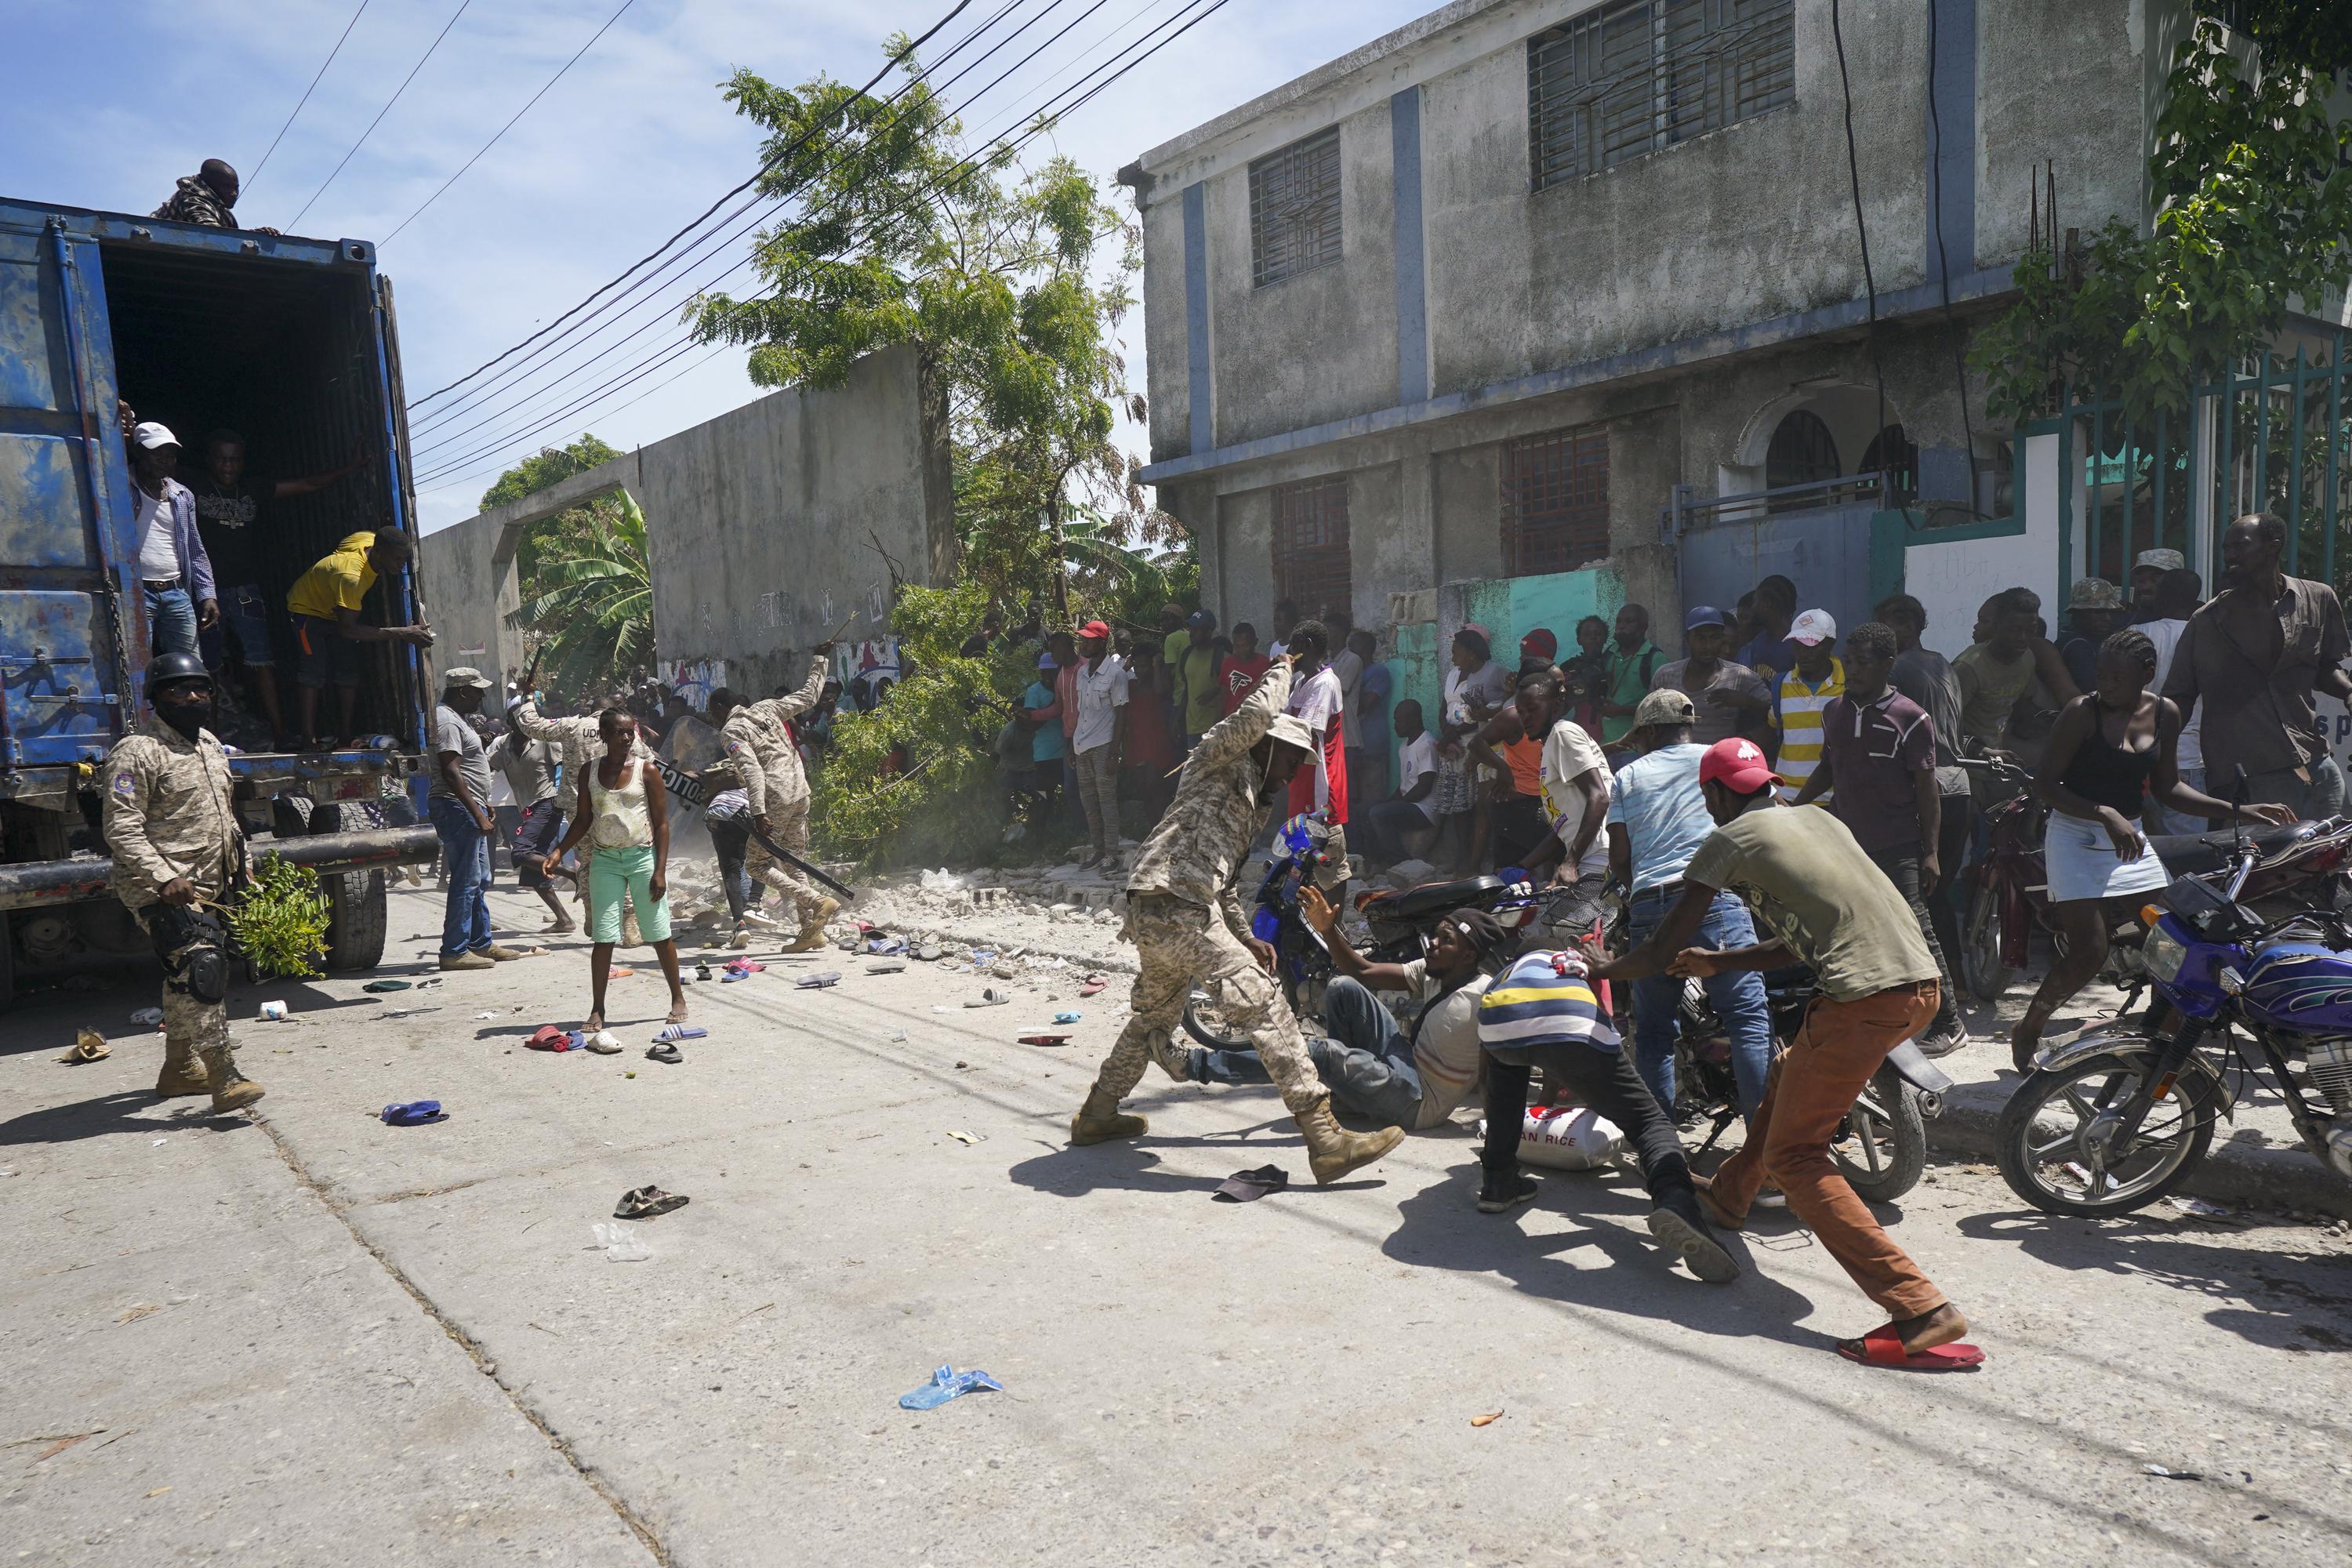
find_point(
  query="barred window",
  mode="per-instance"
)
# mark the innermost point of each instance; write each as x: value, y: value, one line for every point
x: 1555, y: 502
x: 1295, y: 209
x: 1310, y: 545
x: 1628, y: 78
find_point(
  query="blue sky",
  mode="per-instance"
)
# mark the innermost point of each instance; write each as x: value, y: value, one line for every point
x: 110, y: 101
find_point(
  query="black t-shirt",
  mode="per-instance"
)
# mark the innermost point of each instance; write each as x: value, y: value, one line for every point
x: 229, y: 520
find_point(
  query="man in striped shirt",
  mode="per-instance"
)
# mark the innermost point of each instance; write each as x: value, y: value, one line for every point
x: 1805, y: 692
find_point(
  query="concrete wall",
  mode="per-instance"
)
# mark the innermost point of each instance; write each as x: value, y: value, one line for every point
x: 768, y: 526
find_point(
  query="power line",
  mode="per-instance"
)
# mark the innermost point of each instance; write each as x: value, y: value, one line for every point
x: 666, y: 354
x: 442, y: 416
x: 662, y: 356
x: 247, y: 184
x: 509, y: 125
x: 757, y: 175
x: 386, y: 109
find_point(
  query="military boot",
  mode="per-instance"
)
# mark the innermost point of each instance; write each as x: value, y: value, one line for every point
x: 1332, y: 1151
x: 1100, y: 1122
x: 812, y: 936
x: 184, y: 1072
x: 232, y: 1090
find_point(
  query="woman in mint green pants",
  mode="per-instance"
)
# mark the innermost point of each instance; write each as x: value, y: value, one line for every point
x: 624, y: 812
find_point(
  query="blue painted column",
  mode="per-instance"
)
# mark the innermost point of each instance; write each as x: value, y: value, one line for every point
x: 1412, y: 293
x: 1196, y: 322
x: 1951, y: 167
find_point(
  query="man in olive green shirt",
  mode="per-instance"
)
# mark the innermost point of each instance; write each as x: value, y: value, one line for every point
x: 1825, y: 905
x: 1632, y: 662
x: 1191, y: 657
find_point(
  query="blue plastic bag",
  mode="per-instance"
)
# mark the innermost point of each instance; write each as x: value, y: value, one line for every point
x: 945, y: 1385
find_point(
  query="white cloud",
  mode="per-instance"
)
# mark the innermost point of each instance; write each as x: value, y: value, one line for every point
x: 633, y: 142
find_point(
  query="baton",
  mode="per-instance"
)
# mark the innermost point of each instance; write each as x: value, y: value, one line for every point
x: 789, y: 858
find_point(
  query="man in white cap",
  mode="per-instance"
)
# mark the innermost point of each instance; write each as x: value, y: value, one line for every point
x: 174, y: 572
x: 1815, y: 679
x: 459, y: 801
x: 2149, y: 568
x: 1189, y: 929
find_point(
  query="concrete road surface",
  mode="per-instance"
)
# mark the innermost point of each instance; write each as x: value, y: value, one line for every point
x: 306, y: 1338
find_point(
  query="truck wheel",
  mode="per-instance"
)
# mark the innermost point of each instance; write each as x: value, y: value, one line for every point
x: 356, y: 905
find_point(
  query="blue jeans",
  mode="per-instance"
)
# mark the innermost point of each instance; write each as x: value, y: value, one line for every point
x: 171, y: 620
x: 730, y: 835
x: 465, y: 851
x: 1736, y: 996
x: 1367, y: 1064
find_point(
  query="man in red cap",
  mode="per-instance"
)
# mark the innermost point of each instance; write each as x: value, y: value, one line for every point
x: 1098, y: 738
x: 1538, y: 648
x: 1827, y: 906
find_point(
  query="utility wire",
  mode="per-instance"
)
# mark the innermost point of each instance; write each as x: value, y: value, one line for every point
x: 1853, y: 173
x: 661, y: 357
x: 509, y: 125
x: 386, y: 109
x: 757, y: 175
x: 443, y: 415
x: 1944, y: 265
x: 248, y: 183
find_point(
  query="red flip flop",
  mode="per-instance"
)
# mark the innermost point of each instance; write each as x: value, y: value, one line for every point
x: 1884, y: 1347
x: 1045, y: 1039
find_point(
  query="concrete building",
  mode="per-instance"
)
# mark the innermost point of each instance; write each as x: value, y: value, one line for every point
x: 1499, y: 317
x: 771, y: 528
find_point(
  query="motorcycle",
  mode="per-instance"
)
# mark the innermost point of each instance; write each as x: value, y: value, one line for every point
x: 2119, y: 1115
x: 2010, y: 899
x: 1401, y: 922
x: 1880, y: 1147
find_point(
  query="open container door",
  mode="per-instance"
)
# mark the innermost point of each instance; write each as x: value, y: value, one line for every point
x: 72, y: 628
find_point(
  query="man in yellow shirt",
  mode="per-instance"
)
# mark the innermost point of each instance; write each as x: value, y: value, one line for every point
x: 1804, y: 692
x: 325, y: 604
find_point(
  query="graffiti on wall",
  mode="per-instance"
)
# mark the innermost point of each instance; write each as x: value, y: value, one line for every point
x: 694, y: 679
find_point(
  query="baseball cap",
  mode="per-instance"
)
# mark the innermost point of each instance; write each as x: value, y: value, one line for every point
x: 1702, y: 615
x: 464, y: 674
x: 1540, y: 641
x: 1292, y: 731
x: 2162, y: 559
x: 1666, y: 707
x: 151, y: 435
x: 1200, y: 621
x: 1738, y: 763
x: 1046, y: 662
x: 1813, y: 627
x: 2094, y: 594
x: 1095, y: 629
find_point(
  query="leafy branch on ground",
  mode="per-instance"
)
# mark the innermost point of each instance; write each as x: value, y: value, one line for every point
x: 281, y: 922
x: 2251, y: 182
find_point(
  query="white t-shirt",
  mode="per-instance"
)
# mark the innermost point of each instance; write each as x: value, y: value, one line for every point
x: 1350, y: 672
x: 1102, y: 692
x: 2165, y: 635
x: 159, y: 562
x: 1568, y: 753
x: 1318, y: 699
x: 1445, y: 1051
x: 1416, y: 759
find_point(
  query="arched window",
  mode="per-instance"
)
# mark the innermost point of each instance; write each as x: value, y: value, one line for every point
x: 1802, y: 451
x: 1892, y: 453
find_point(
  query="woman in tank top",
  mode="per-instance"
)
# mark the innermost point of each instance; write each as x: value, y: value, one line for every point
x: 2110, y: 746
x: 624, y: 812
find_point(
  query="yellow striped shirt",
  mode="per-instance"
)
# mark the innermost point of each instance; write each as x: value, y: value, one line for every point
x: 1799, y: 719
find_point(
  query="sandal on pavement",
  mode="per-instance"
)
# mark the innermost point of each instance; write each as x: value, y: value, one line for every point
x: 665, y: 1052
x: 1884, y: 1347
x: 643, y: 1202
x: 992, y: 997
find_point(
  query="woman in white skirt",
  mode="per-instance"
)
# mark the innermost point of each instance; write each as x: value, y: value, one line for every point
x: 2111, y: 746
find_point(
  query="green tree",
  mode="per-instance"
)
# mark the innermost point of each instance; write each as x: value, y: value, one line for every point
x: 2251, y: 182
x: 550, y: 536
x: 591, y: 602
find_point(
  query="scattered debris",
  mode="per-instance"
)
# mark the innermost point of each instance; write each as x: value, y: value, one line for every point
x: 2164, y: 1474
x: 415, y: 1113
x: 992, y: 997
x: 620, y: 1244
x: 892, y: 966
x: 946, y: 1383
x: 818, y: 982
x: 645, y: 1202
x: 151, y: 1016
x: 381, y: 987
x: 1069, y: 1016
x: 135, y: 1313
x: 60, y: 1445
x: 1044, y: 1040
x: 88, y: 1046
x: 2198, y: 1208
x: 1248, y: 1186
x: 274, y: 1011
x: 480, y: 1016
x: 967, y: 1138
x: 1489, y: 1420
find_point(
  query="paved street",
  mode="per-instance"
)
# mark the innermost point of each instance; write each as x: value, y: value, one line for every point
x: 305, y: 1336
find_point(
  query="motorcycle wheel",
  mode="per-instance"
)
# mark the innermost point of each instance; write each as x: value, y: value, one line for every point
x: 2048, y: 1158
x: 1883, y: 1147
x: 1988, y: 976
x: 1207, y: 1026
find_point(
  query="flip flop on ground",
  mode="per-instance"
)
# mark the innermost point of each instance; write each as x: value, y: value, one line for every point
x: 643, y: 1202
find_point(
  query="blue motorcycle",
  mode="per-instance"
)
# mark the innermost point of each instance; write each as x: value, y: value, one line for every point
x: 2113, y: 1119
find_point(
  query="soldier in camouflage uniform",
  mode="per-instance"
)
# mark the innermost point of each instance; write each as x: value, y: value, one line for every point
x: 1190, y: 929
x: 208, y: 197
x: 172, y: 829
x: 767, y: 765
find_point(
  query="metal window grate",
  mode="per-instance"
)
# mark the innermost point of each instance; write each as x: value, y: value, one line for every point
x: 1295, y: 209
x: 1630, y: 79
x: 1555, y: 502
x: 1310, y: 545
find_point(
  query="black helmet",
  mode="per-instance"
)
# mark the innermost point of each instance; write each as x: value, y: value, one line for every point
x: 170, y: 666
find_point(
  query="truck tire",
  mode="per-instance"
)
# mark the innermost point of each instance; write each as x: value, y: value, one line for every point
x: 356, y: 904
